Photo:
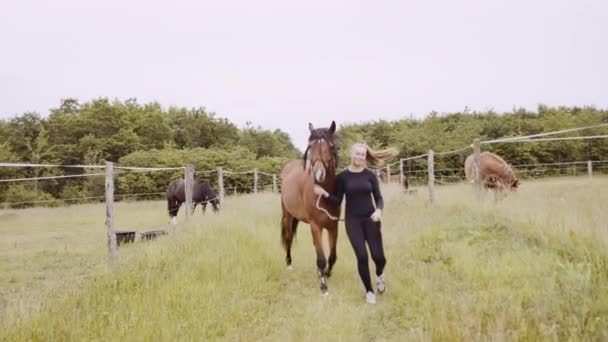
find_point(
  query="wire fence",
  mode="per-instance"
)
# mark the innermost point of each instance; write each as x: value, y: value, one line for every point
x: 411, y: 177
x: 230, y: 182
x: 261, y: 181
x: 407, y: 174
x: 419, y: 176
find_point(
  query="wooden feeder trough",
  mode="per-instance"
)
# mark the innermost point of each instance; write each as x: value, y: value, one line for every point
x: 152, y: 234
x: 125, y: 236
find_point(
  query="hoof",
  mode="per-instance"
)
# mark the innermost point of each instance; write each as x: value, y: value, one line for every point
x: 325, y: 294
x: 324, y: 287
x: 289, y: 268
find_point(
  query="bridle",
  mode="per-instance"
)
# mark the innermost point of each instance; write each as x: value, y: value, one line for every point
x: 332, y: 151
x: 334, y: 165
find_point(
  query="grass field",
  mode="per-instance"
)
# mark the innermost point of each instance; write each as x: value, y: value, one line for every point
x: 532, y: 267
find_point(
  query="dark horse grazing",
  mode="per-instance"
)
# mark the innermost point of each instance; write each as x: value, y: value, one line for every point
x: 299, y: 203
x: 201, y: 193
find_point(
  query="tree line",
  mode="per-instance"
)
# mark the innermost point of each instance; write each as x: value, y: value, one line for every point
x: 453, y: 131
x: 131, y: 134
x: 147, y: 135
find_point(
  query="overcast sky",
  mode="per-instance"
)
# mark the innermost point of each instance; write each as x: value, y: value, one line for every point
x: 281, y: 64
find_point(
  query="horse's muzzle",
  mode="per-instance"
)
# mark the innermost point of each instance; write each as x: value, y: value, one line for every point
x: 319, y: 175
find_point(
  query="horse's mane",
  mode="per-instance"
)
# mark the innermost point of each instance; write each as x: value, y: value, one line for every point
x: 200, y: 181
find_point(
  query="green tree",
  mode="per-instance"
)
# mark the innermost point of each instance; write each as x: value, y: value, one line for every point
x: 22, y: 133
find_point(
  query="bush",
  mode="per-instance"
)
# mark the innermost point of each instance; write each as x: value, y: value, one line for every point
x: 73, y: 191
x: 22, y: 196
x: 205, y: 162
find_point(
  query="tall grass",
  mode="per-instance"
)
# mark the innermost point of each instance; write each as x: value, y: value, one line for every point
x: 532, y: 267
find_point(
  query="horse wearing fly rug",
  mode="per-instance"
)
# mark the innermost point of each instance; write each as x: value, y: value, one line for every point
x: 299, y: 203
x: 202, y: 193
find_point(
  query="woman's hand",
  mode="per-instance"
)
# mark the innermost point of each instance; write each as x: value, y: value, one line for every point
x: 320, y: 191
x: 376, y: 215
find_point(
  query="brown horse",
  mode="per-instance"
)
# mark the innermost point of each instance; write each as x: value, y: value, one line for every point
x: 299, y: 203
x: 495, y: 172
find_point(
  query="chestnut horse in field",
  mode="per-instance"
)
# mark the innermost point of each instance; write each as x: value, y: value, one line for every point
x: 299, y: 203
x: 495, y: 172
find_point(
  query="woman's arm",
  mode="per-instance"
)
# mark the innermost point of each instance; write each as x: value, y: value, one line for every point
x: 376, y: 192
x: 334, y: 198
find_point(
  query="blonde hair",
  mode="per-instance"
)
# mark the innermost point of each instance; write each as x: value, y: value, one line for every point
x: 376, y: 158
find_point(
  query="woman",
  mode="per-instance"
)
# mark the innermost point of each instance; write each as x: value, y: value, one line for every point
x: 362, y: 218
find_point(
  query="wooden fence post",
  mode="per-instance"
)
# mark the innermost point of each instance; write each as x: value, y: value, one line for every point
x: 220, y: 184
x: 274, y: 184
x: 255, y: 181
x: 590, y: 168
x: 431, y: 169
x: 110, y: 211
x: 188, y: 185
x: 477, y: 164
x: 388, y: 174
x: 401, y: 173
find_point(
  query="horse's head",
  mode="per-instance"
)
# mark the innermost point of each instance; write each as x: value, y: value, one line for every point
x: 514, y: 184
x: 208, y: 195
x: 496, y: 183
x: 322, y: 152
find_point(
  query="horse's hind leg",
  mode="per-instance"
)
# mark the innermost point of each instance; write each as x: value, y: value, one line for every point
x: 321, y: 261
x: 289, y: 226
x: 333, y: 239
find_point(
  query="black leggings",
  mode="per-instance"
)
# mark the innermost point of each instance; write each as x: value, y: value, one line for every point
x: 360, y: 230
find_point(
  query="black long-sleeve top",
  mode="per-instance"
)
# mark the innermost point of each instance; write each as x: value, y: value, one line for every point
x: 358, y: 188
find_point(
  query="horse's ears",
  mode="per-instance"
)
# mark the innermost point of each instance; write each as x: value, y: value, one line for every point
x: 332, y: 127
x: 310, y: 127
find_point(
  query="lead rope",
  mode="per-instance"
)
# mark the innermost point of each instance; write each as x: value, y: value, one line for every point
x: 325, y: 211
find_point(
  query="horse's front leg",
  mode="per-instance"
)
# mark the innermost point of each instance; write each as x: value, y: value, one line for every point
x: 333, y: 239
x: 173, y: 211
x: 321, y: 261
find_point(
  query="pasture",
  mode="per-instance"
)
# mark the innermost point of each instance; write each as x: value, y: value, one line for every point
x: 532, y: 267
